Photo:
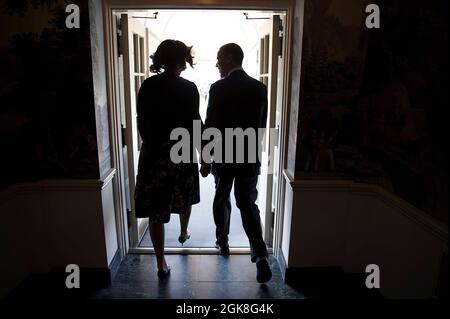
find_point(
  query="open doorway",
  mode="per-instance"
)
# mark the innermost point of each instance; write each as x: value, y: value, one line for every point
x: 260, y: 34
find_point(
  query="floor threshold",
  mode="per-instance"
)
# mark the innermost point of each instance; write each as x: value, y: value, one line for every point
x: 191, y: 251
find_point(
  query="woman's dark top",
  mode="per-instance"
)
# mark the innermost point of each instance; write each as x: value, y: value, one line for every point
x: 165, y: 102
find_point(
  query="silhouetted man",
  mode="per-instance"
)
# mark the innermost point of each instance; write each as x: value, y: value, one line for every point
x: 237, y: 101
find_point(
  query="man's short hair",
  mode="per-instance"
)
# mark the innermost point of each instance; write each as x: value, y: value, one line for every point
x: 234, y: 50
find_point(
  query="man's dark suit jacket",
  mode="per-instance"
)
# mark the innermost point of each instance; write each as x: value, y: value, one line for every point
x: 237, y: 101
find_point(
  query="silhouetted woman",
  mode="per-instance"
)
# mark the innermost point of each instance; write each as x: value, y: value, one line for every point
x: 166, y: 101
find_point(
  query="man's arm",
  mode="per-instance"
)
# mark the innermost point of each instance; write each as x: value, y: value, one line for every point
x: 209, y: 122
x: 264, y: 106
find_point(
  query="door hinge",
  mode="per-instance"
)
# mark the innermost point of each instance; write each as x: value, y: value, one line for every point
x: 129, y: 216
x: 123, y: 131
x: 280, y: 38
x: 119, y: 35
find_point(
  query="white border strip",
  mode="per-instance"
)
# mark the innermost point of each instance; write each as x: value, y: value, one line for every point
x: 62, y: 185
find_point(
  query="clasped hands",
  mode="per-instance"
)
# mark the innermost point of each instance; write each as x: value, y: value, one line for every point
x: 205, y: 169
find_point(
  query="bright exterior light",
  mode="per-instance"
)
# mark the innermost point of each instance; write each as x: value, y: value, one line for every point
x: 206, y: 31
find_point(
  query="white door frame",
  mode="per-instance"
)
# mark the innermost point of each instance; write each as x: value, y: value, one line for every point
x: 268, y: 68
x: 135, y: 66
x: 111, y: 72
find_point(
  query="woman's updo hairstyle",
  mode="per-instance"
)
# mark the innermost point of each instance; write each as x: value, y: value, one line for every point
x: 171, y: 55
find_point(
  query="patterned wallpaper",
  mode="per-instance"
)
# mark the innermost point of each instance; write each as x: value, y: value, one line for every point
x: 372, y: 101
x: 47, y: 114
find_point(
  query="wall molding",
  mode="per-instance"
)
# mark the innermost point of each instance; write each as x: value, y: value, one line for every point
x: 115, y: 264
x: 62, y: 185
x: 421, y: 218
x: 282, y: 263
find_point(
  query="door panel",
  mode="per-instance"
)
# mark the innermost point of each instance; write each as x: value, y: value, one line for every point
x: 278, y: 114
x: 135, y: 71
x: 269, y: 61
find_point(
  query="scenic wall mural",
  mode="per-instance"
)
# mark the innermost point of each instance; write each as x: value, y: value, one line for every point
x: 373, y: 101
x: 47, y: 114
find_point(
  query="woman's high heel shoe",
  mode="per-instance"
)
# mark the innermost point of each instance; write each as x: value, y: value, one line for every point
x: 182, y: 239
x: 163, y: 273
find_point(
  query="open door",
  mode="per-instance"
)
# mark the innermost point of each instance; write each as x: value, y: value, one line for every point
x: 134, y: 49
x: 270, y: 53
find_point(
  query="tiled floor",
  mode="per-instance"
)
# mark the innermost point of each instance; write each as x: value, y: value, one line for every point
x: 196, y: 276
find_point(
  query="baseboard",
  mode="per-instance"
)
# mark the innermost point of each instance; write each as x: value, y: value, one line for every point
x: 282, y: 264
x: 329, y: 282
x: 115, y: 264
x: 91, y: 279
x: 53, y: 284
x: 311, y: 279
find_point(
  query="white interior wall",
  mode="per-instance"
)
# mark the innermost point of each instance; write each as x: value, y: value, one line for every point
x: 342, y: 223
x: 53, y: 223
